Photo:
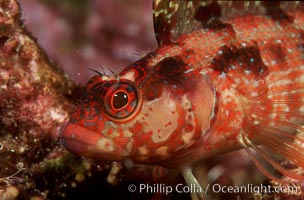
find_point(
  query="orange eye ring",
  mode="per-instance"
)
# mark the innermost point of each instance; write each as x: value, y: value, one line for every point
x: 122, y: 101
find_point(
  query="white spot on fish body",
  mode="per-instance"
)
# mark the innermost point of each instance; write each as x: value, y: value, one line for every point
x: 289, y: 50
x: 130, y: 76
x: 143, y: 150
x: 186, y: 137
x: 254, y: 94
x: 247, y: 71
x: 105, y: 144
x: 189, y: 70
x: 222, y: 75
x: 128, y: 147
x: 162, y: 151
x: 299, y: 79
x: 256, y: 122
x: 301, y: 109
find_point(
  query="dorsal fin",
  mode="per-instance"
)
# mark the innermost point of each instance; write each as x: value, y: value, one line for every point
x: 173, y: 18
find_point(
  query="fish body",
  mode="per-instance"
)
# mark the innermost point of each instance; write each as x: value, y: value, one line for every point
x: 237, y: 83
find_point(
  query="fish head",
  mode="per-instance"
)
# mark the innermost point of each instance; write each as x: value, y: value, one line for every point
x: 148, y: 118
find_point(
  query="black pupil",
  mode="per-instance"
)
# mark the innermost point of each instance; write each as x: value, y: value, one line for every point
x: 120, y: 100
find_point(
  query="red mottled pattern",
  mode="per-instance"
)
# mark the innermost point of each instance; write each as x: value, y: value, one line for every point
x: 230, y: 83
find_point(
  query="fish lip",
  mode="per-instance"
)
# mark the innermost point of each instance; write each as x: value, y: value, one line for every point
x: 71, y: 137
x: 76, y: 143
x: 68, y: 141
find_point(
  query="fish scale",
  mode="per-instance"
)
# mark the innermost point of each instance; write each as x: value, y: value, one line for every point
x: 218, y: 82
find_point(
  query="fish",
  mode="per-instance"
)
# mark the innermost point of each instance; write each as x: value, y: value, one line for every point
x: 225, y: 76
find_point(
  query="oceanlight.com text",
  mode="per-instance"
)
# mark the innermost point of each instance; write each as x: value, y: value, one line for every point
x: 215, y: 188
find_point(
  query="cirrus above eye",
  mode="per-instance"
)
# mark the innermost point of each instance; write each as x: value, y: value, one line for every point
x: 121, y: 100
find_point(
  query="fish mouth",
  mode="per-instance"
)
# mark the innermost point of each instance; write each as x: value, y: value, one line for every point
x: 84, y: 142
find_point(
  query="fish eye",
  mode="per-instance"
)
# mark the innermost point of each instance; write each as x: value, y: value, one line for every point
x: 121, y: 100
